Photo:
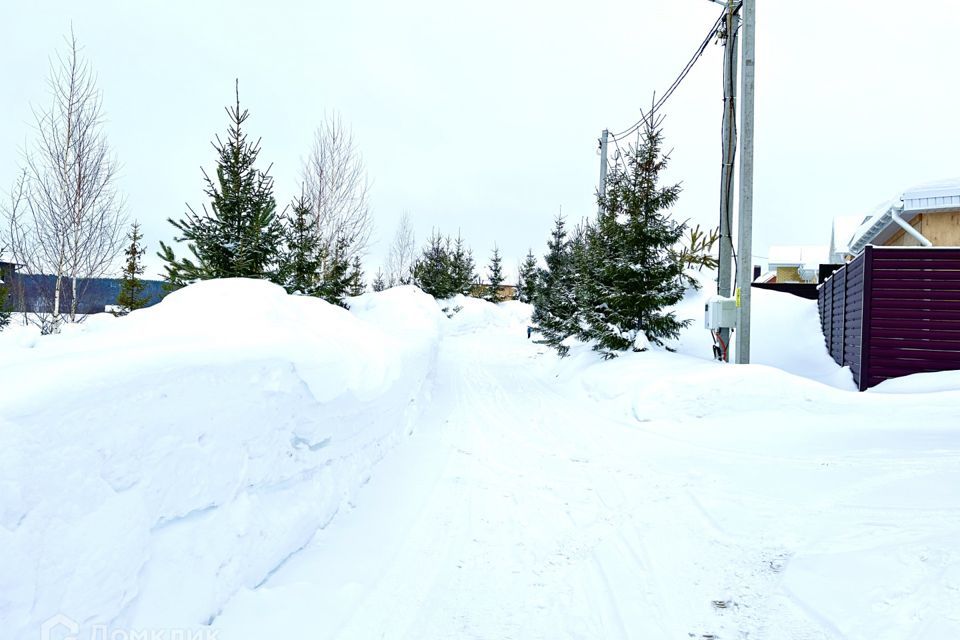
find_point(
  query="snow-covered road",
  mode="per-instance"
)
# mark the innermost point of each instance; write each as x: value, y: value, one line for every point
x: 309, y: 472
x: 527, y: 505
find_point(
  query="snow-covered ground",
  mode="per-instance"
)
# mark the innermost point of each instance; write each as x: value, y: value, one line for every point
x: 303, y: 471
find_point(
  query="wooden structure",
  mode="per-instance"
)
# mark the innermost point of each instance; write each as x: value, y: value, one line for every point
x: 893, y: 311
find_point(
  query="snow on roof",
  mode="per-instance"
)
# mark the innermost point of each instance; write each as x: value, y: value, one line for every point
x: 933, y: 195
x: 873, y: 222
x: 797, y: 255
x: 940, y: 194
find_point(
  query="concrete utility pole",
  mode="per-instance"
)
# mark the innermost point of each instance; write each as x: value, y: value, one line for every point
x: 729, y: 144
x: 602, y: 190
x: 745, y: 221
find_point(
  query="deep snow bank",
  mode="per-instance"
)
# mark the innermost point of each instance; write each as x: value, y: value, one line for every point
x: 151, y: 466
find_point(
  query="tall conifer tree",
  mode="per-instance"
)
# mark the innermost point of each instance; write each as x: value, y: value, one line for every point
x: 555, y: 309
x: 492, y: 292
x: 461, y: 266
x: 239, y: 235
x: 632, y: 272
x: 527, y: 281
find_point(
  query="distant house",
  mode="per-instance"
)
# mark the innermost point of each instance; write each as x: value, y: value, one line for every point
x: 923, y: 216
x: 794, y: 263
x: 893, y: 308
x: 505, y: 292
x: 34, y: 293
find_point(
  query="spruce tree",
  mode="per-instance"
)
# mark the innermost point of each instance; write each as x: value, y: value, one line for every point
x: 632, y: 272
x: 461, y: 266
x: 492, y: 290
x: 301, y: 262
x: 131, y: 296
x: 239, y: 235
x: 527, y: 282
x: 336, y: 278
x: 379, y: 284
x: 433, y: 271
x: 357, y: 286
x: 555, y: 311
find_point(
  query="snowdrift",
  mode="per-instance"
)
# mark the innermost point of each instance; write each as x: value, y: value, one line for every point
x: 151, y: 466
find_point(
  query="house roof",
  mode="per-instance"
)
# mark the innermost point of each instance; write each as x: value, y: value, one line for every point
x: 943, y: 194
x: 930, y: 196
x: 797, y: 255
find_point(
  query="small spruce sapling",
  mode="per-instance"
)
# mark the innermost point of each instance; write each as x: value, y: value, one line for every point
x: 131, y: 296
x: 356, y: 285
x: 379, y: 284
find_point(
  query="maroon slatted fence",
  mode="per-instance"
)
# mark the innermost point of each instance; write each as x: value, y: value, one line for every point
x: 893, y: 311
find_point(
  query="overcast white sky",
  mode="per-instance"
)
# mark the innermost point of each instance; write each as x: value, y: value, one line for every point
x: 484, y: 117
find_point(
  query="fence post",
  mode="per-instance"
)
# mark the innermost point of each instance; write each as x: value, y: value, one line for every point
x: 843, y: 319
x: 866, y: 318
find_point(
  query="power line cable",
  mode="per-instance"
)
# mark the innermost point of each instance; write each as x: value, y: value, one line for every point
x: 676, y: 83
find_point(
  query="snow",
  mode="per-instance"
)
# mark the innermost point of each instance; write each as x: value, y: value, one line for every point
x: 785, y: 333
x: 299, y: 470
x: 933, y: 189
x: 175, y: 442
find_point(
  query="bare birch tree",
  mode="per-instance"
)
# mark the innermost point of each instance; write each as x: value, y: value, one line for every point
x: 336, y: 183
x: 402, y: 254
x: 65, y: 218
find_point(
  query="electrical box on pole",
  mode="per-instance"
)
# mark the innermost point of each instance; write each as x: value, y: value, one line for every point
x: 720, y: 313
